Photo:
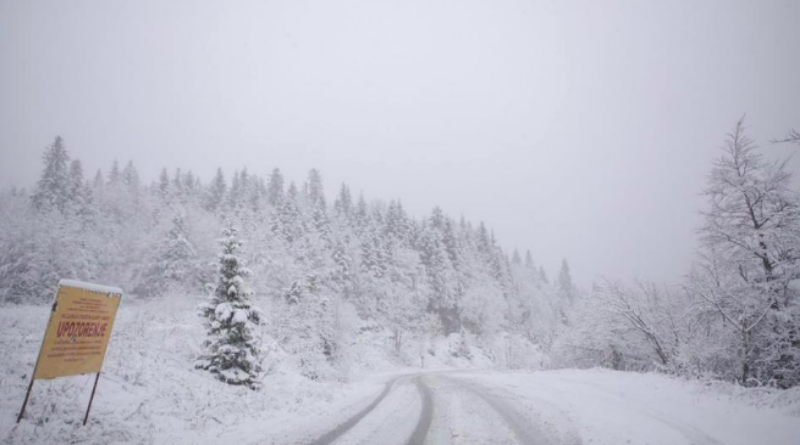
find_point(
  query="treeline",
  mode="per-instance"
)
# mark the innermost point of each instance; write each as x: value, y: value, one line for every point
x: 353, y: 276
x: 737, y: 313
x: 330, y: 270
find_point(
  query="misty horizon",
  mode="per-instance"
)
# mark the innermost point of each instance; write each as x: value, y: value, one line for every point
x: 400, y: 222
x: 510, y: 114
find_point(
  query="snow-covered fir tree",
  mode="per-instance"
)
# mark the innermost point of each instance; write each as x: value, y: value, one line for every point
x: 175, y: 265
x: 54, y: 186
x: 215, y: 194
x: 232, y: 353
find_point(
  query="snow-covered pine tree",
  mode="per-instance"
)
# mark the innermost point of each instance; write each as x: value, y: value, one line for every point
x: 543, y: 275
x: 215, y: 194
x: 114, y: 175
x: 163, y: 185
x: 275, y: 188
x: 516, y: 260
x: 344, y: 202
x: 565, y: 286
x: 233, y: 353
x: 52, y: 190
x: 175, y: 265
x: 361, y: 217
x: 316, y: 194
x: 130, y: 177
x: 80, y: 194
x: 441, y: 276
x: 286, y: 222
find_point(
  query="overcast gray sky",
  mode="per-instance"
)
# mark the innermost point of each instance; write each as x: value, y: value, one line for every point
x: 577, y: 129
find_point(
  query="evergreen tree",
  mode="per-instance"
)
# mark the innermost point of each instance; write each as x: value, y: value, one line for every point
x: 275, y: 188
x: 97, y: 182
x: 287, y: 223
x: 233, y: 353
x: 484, y: 243
x: 243, y: 191
x: 361, y: 220
x: 292, y: 191
x: 235, y: 192
x: 441, y: 276
x: 565, y: 286
x: 344, y: 203
x: 114, y: 176
x: 130, y: 180
x: 257, y: 195
x: 516, y: 259
x: 373, y: 247
x: 76, y: 181
x: 80, y: 194
x: 54, y: 186
x: 177, y: 189
x: 316, y: 194
x: 395, y: 224
x: 543, y: 275
x: 342, y: 275
x: 163, y: 185
x: 130, y: 177
x: 175, y: 265
x: 190, y: 186
x: 216, y: 192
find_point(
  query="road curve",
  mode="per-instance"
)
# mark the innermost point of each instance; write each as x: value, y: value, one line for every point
x: 526, y: 431
x: 425, y: 416
x: 345, y: 426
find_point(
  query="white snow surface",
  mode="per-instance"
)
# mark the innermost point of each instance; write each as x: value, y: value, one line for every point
x: 610, y: 407
x: 92, y: 287
x: 149, y: 392
x: 223, y: 311
x: 239, y: 316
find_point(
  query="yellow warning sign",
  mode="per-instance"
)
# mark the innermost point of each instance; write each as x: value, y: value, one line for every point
x: 77, y: 334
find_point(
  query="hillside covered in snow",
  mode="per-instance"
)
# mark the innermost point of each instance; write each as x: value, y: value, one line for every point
x: 254, y: 309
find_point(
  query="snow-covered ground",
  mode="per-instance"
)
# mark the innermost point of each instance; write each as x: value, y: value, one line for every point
x: 150, y: 393
x: 608, y: 407
x: 558, y: 407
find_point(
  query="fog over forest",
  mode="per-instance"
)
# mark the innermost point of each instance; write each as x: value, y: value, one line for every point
x: 575, y: 129
x: 447, y: 222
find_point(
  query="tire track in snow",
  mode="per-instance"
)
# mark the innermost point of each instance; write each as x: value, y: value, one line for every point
x: 525, y: 430
x: 462, y: 418
x: 425, y: 415
x: 345, y: 426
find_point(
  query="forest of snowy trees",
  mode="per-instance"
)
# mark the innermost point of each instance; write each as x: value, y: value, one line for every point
x: 333, y: 273
x: 330, y: 272
x: 736, y: 315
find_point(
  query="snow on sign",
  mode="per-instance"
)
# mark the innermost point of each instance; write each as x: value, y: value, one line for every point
x: 77, y: 334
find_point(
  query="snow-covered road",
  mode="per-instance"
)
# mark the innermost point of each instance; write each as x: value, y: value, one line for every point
x: 564, y: 407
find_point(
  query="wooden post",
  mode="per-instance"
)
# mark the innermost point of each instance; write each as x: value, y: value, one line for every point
x: 27, y: 395
x: 91, y: 398
x: 38, y: 357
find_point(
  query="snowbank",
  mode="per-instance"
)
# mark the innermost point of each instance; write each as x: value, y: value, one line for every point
x: 149, y: 391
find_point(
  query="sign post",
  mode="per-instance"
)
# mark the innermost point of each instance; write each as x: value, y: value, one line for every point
x: 77, y: 334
